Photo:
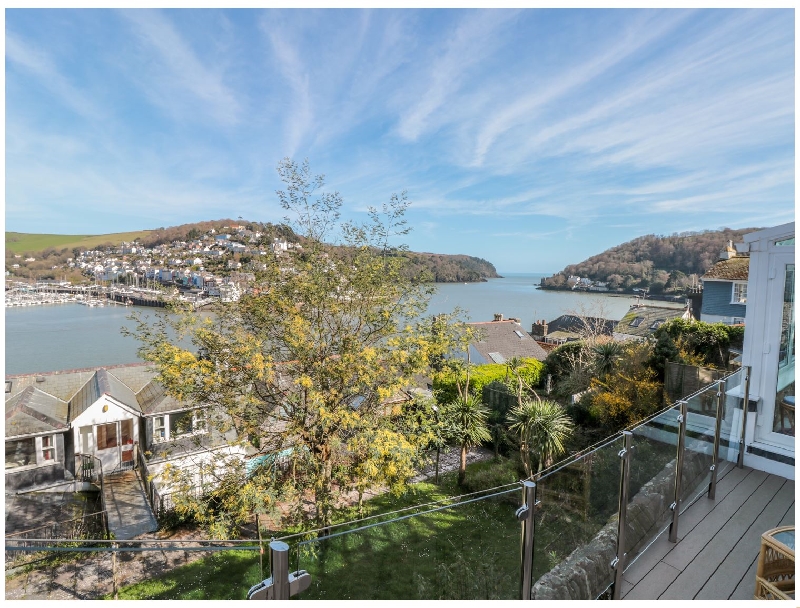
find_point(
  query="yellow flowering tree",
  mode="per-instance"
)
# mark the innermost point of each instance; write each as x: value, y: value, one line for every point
x: 313, y: 359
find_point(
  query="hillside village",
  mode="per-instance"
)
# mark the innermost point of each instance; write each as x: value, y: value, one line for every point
x: 216, y: 264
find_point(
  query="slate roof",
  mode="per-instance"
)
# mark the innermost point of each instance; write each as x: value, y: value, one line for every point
x: 507, y: 339
x: 65, y: 384
x: 641, y: 320
x: 734, y: 269
x: 153, y: 399
x: 32, y: 411
x: 102, y: 383
x: 572, y: 327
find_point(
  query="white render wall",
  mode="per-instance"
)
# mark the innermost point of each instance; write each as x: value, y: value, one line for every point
x: 94, y: 416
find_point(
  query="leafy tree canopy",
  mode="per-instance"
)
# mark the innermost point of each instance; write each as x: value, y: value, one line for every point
x: 315, y: 357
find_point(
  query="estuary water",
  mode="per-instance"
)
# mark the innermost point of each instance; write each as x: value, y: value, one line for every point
x: 71, y: 336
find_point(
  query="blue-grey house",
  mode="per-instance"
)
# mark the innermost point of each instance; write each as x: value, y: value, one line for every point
x: 725, y: 289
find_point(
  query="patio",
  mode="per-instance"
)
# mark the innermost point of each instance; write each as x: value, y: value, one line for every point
x: 718, y: 542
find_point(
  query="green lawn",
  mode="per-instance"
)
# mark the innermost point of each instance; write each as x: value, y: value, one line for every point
x: 467, y: 551
x: 19, y: 242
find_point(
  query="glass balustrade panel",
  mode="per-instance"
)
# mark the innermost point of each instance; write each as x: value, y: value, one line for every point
x: 578, y: 508
x: 465, y: 551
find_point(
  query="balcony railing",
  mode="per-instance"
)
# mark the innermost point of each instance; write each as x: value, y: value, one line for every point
x: 568, y: 533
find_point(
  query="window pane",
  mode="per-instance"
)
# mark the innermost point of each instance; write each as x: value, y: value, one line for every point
x: 20, y: 453
x: 158, y: 427
x: 126, y: 430
x: 48, y: 449
x: 784, y: 398
x: 107, y: 436
x: 180, y: 424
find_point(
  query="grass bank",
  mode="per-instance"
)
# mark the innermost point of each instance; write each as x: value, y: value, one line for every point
x: 20, y: 242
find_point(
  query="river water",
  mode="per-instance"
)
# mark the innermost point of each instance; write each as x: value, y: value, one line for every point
x: 71, y: 336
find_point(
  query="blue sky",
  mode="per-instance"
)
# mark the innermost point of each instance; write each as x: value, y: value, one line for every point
x: 531, y: 138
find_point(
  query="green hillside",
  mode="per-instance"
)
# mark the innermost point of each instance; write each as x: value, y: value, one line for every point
x: 22, y: 243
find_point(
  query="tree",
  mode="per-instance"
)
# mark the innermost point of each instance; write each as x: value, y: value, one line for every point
x: 606, y: 354
x: 309, y: 357
x: 465, y: 419
x: 542, y: 428
x: 630, y: 392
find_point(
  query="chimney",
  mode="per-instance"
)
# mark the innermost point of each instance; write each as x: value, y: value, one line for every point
x: 729, y: 252
x: 539, y: 329
x: 498, y: 316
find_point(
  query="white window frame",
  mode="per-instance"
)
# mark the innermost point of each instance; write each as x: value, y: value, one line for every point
x: 742, y: 286
x: 763, y: 319
x: 43, y: 449
x: 769, y: 371
x: 164, y: 428
x: 39, y: 448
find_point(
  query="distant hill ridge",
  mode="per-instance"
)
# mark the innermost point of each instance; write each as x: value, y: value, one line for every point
x: 444, y: 268
x: 661, y: 264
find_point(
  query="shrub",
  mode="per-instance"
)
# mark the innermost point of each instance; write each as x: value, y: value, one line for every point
x: 493, y: 474
x: 445, y: 384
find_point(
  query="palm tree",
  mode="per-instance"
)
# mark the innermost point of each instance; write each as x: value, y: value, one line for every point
x: 466, y: 425
x: 605, y: 356
x: 542, y: 427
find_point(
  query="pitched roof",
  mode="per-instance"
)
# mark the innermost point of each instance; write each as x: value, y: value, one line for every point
x: 102, y: 383
x: 641, y: 320
x: 65, y: 384
x: 506, y: 339
x: 573, y: 324
x: 734, y: 269
x: 33, y: 411
x: 154, y: 399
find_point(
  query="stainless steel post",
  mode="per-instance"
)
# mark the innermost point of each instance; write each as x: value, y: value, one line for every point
x: 526, y: 514
x: 712, y: 486
x: 279, y: 558
x: 676, y: 503
x: 624, y: 484
x: 745, y: 407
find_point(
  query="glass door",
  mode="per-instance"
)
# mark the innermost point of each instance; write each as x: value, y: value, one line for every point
x: 776, y: 420
x: 783, y: 416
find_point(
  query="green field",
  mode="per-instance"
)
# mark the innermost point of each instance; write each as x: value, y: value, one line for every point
x: 20, y: 242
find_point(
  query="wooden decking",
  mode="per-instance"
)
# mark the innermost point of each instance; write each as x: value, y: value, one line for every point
x: 718, y: 542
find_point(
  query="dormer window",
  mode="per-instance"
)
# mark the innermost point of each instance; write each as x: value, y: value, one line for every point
x: 739, y: 293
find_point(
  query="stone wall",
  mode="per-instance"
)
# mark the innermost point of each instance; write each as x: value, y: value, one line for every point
x: 587, y: 571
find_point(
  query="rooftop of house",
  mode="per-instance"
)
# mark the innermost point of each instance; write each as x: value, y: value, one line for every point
x: 642, y: 320
x: 38, y: 403
x: 498, y: 341
x: 32, y: 411
x: 733, y: 269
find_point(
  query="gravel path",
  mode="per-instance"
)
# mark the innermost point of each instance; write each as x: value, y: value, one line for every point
x: 91, y: 577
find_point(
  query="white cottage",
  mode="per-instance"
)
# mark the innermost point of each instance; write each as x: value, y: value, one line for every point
x: 119, y: 415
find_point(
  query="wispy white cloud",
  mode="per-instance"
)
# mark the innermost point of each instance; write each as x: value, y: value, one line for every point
x: 299, y: 111
x: 39, y: 63
x: 638, y: 35
x: 179, y: 79
x: 473, y: 40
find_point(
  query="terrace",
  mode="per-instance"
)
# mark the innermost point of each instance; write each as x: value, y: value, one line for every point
x: 715, y: 557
